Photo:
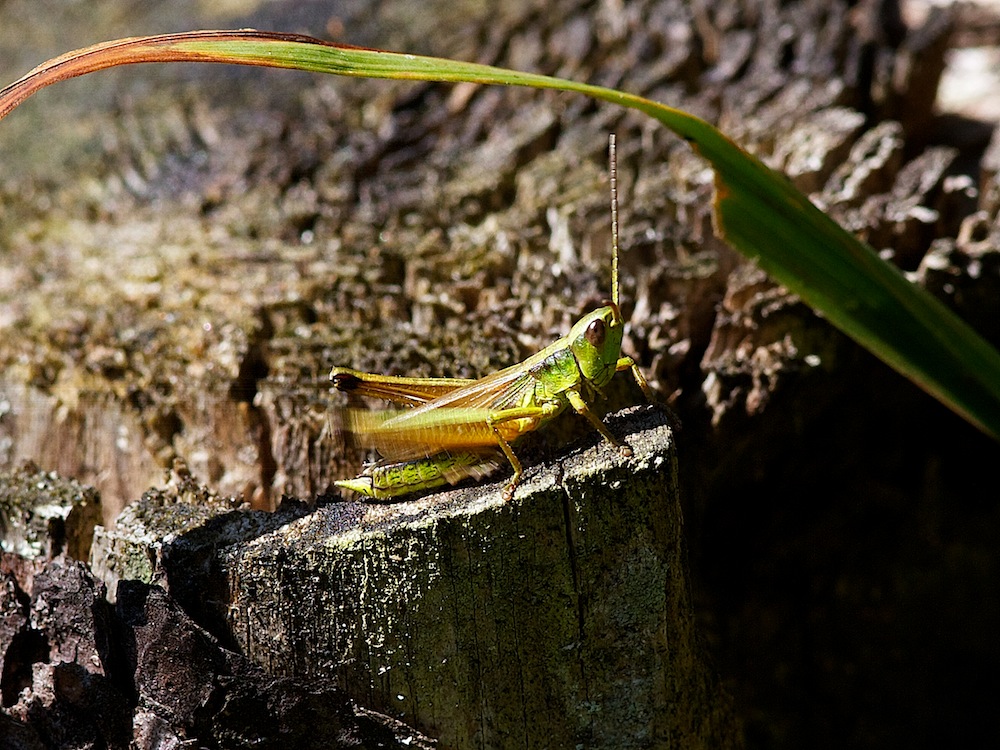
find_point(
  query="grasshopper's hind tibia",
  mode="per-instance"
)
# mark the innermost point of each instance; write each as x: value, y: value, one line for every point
x: 389, y: 479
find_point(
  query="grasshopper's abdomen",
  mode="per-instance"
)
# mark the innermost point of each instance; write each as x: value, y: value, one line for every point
x: 384, y: 481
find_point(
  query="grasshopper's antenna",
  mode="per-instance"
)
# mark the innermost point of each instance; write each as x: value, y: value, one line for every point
x: 613, y: 164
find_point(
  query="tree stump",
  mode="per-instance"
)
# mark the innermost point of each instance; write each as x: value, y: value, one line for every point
x: 561, y: 618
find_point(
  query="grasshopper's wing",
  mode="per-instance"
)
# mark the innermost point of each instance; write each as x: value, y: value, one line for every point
x: 405, y: 391
x: 457, y: 420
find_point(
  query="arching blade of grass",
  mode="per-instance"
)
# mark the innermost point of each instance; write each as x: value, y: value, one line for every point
x: 757, y: 210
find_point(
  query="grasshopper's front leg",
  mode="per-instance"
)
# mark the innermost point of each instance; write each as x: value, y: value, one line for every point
x: 627, y: 363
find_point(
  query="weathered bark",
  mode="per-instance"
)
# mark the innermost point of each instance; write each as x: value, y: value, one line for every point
x: 63, y: 522
x: 77, y: 672
x: 323, y: 240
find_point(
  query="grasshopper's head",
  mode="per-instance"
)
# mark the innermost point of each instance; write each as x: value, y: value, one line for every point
x: 596, y: 342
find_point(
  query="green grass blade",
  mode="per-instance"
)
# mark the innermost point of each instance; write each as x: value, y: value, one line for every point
x: 757, y: 210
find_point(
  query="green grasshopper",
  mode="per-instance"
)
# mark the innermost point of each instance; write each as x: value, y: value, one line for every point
x: 455, y: 426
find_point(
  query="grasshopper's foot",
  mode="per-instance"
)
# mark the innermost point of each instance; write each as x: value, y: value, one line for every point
x: 623, y: 448
x: 508, y: 490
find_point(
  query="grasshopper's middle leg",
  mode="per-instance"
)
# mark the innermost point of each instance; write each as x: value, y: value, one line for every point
x: 546, y: 410
x: 580, y: 407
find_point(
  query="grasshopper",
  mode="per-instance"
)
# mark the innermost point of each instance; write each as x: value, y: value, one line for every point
x: 455, y: 426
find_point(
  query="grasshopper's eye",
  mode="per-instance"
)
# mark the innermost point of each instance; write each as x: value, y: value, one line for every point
x: 595, y: 333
